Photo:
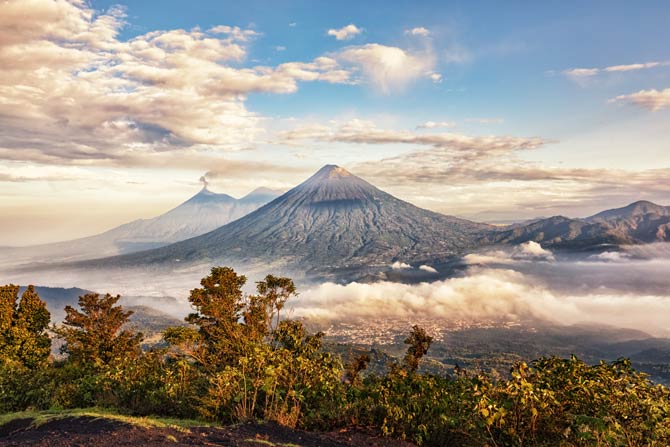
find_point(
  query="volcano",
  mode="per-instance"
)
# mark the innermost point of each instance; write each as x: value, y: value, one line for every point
x: 201, y: 213
x: 332, y: 220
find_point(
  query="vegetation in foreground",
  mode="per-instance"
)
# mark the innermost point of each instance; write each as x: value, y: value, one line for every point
x: 240, y: 361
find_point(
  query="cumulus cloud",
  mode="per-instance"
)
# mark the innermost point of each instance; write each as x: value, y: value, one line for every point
x: 427, y: 268
x: 346, y: 32
x: 532, y: 250
x: 652, y: 99
x: 235, y: 32
x: 418, y: 31
x: 389, y: 68
x: 400, y: 266
x: 72, y: 92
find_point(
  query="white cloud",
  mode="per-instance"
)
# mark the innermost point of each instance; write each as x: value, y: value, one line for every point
x: 388, y: 68
x: 452, y: 147
x: 345, y: 33
x: 400, y: 266
x: 496, y: 294
x: 529, y: 251
x: 579, y: 74
x: 234, y: 32
x: 435, y: 77
x: 427, y: 268
x: 418, y: 31
x: 72, y: 92
x: 280, y: 48
x: 436, y: 124
x: 652, y: 99
x: 631, y: 67
x: 532, y: 251
x: 611, y: 256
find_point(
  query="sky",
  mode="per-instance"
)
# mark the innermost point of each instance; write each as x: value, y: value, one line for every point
x: 495, y: 112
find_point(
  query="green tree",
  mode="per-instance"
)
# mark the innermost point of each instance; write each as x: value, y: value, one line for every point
x: 94, y: 337
x: 419, y: 342
x: 230, y: 323
x: 23, y: 326
x: 25, y: 348
x: 219, y: 304
x: 8, y: 296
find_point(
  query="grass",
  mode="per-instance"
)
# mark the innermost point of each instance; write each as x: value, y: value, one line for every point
x: 41, y: 417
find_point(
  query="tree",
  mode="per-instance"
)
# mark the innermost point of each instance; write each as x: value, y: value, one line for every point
x: 95, y: 336
x: 8, y: 296
x: 23, y: 326
x: 230, y: 323
x: 419, y: 342
x: 219, y: 304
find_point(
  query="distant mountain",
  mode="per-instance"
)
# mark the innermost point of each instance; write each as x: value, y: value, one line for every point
x: 636, y: 209
x: 203, y: 212
x: 639, y: 222
x: 56, y: 298
x: 332, y: 220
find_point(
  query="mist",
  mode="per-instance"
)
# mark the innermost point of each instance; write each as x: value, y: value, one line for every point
x: 629, y: 288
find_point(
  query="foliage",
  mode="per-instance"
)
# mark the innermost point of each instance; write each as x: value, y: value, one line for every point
x: 94, y: 337
x: 239, y: 361
x: 419, y: 343
x: 258, y: 365
x: 23, y: 327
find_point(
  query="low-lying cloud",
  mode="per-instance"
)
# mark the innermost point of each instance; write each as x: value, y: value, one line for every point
x: 597, y: 290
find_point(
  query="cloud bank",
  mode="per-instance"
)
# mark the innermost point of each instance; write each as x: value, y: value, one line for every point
x: 564, y: 291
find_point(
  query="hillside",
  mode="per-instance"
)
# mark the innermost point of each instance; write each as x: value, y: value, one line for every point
x: 638, y: 223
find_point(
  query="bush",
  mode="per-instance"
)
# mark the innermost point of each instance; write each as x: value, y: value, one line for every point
x: 239, y: 362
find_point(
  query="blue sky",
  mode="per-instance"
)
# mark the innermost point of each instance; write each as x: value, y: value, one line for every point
x: 484, y: 110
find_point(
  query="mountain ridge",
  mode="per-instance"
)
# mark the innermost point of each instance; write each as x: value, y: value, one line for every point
x: 335, y: 221
x: 332, y: 219
x: 203, y: 212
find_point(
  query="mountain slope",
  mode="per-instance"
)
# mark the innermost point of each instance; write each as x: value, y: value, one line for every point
x: 639, y: 222
x: 201, y: 213
x: 333, y: 219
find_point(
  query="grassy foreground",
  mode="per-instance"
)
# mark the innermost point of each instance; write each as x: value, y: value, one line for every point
x: 42, y: 417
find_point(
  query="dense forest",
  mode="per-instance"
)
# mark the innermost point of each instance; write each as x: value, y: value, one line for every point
x: 238, y: 360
